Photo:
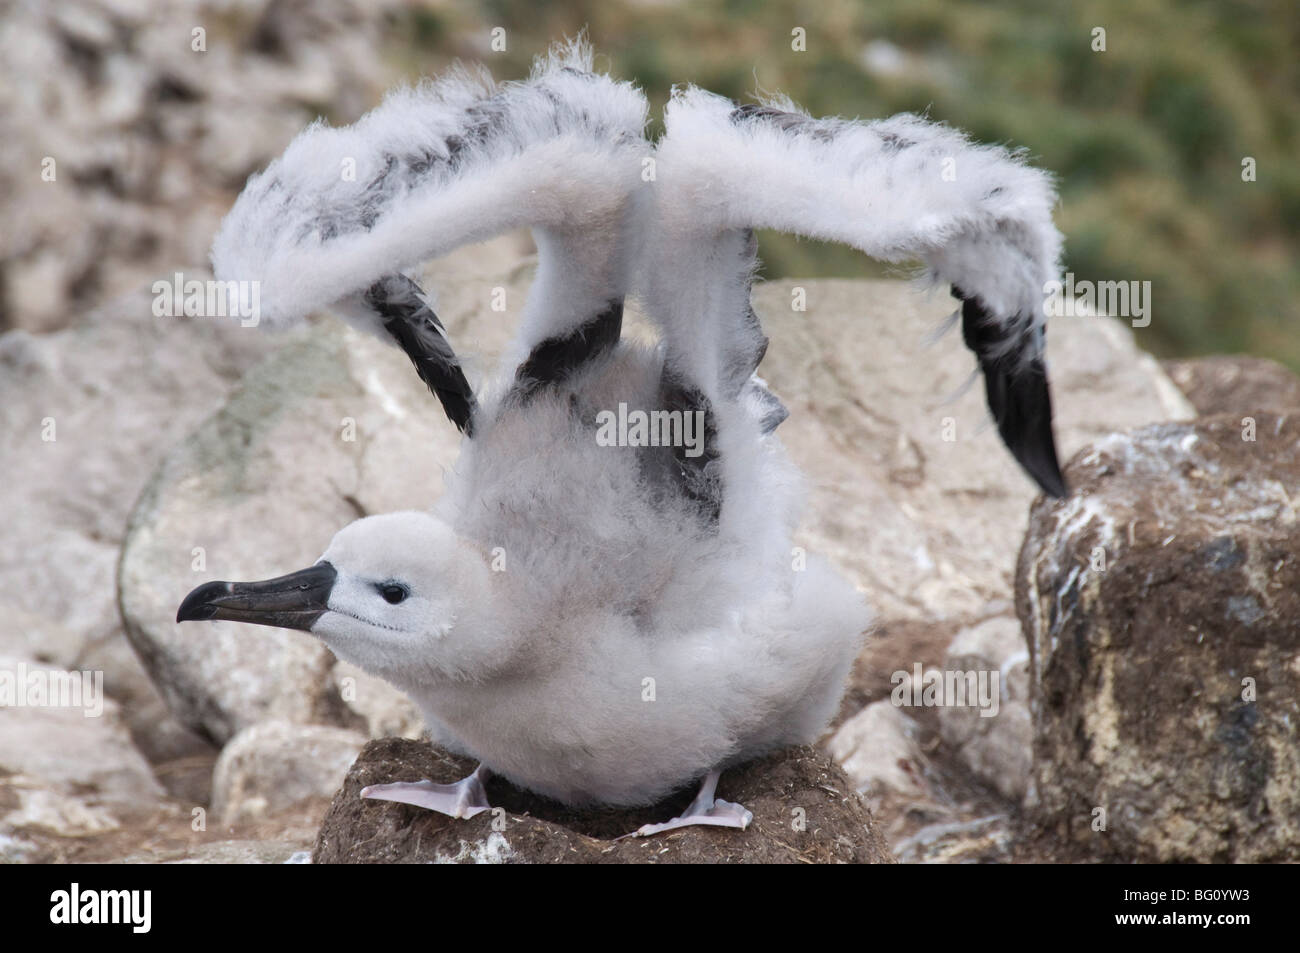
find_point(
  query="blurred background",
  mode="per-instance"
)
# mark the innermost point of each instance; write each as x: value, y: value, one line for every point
x: 1147, y: 136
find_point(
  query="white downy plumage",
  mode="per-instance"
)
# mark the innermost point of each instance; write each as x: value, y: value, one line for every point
x: 652, y: 624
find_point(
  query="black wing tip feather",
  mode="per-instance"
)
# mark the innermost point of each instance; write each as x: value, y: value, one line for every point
x: 1022, y: 406
x: 410, y: 321
x: 1018, y: 397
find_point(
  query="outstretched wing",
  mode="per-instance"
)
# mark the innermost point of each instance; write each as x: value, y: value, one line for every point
x: 339, y: 216
x: 900, y: 189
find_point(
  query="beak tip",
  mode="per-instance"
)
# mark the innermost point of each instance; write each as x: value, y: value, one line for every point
x: 192, y: 613
x: 197, y: 606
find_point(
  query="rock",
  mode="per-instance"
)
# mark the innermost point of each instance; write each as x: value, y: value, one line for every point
x: 1235, y: 384
x: 38, y: 637
x: 159, y: 735
x: 274, y: 766
x: 878, y: 751
x: 982, y: 840
x: 928, y: 526
x: 188, y: 779
x: 996, y: 748
x: 69, y: 772
x: 805, y: 811
x: 149, y: 137
x: 332, y: 426
x: 1161, y: 602
x: 82, y: 750
x: 48, y: 810
x: 16, y: 850
x: 88, y: 412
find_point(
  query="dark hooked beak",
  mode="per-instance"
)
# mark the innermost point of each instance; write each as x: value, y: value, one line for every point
x: 294, y: 601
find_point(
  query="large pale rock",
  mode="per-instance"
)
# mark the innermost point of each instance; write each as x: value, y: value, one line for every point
x: 275, y: 766
x: 1162, y: 606
x: 929, y: 526
x: 805, y: 811
x: 86, y: 413
x: 38, y: 637
x: 257, y: 491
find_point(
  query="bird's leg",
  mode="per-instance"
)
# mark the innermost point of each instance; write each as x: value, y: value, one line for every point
x: 464, y: 799
x: 704, y: 810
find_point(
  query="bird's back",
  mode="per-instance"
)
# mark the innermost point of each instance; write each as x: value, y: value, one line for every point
x: 585, y: 517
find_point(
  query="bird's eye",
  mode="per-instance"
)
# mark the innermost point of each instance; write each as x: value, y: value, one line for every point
x: 392, y: 592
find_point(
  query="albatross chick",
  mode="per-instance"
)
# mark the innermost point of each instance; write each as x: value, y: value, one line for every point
x: 605, y: 604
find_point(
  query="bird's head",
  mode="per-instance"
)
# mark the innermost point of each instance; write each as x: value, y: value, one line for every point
x: 392, y: 594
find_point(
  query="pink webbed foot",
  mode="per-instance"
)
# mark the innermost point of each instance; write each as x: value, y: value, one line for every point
x: 463, y: 799
x: 704, y: 811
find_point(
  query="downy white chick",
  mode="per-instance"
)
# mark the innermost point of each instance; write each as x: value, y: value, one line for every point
x: 606, y: 603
